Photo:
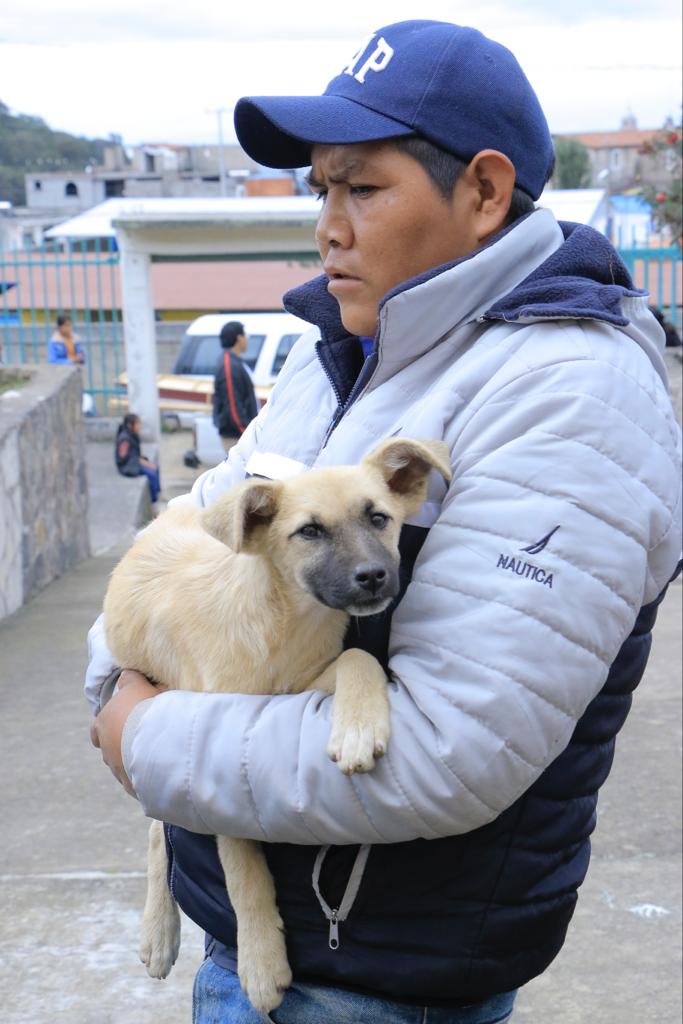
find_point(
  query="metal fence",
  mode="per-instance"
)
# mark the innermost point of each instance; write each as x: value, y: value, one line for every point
x: 658, y: 272
x: 81, y: 279
x: 78, y: 279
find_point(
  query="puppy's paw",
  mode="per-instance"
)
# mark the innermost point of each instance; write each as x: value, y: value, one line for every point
x: 355, y: 744
x: 263, y: 969
x: 160, y: 941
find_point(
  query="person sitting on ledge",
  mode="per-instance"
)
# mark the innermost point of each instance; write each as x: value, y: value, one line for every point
x: 129, y: 460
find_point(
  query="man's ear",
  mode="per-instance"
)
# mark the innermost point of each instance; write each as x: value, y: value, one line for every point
x: 492, y: 175
x: 235, y: 518
x: 405, y: 465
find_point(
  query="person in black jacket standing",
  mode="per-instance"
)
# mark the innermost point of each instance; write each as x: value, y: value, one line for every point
x: 234, y: 399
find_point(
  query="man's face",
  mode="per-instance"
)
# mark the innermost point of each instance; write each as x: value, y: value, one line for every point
x: 383, y: 222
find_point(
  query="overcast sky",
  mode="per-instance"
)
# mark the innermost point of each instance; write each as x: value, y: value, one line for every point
x: 150, y: 70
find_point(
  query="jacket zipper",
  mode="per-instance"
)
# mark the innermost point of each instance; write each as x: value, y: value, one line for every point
x: 333, y: 940
x: 339, y: 412
x: 172, y: 875
x: 338, y: 914
x: 341, y: 406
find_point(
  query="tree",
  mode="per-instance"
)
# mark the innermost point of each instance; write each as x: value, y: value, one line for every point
x: 666, y: 197
x: 572, y: 163
x: 12, y: 185
x: 29, y: 144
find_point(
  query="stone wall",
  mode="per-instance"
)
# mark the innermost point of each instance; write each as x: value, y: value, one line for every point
x: 43, y: 479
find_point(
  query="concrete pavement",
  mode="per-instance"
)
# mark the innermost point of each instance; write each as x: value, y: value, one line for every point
x: 73, y: 852
x: 72, y: 858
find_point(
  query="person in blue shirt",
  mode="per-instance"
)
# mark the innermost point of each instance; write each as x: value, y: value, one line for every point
x: 64, y: 346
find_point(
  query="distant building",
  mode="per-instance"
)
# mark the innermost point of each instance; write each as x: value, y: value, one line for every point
x: 22, y: 228
x: 63, y: 190
x: 268, y: 183
x: 616, y: 158
x: 150, y: 170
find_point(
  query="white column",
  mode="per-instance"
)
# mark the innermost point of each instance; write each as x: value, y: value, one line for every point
x: 138, y: 334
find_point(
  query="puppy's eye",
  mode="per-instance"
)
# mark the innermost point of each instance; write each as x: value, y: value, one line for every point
x: 311, y: 531
x: 379, y: 520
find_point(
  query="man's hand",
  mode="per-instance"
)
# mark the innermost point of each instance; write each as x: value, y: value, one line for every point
x: 107, y: 729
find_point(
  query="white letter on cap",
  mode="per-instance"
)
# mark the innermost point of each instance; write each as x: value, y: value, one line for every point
x: 377, y: 61
x: 348, y: 70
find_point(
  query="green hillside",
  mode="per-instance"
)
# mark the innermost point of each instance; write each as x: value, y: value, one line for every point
x: 28, y: 144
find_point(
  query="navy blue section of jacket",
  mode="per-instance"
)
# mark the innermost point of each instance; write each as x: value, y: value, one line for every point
x: 455, y: 920
x: 447, y: 921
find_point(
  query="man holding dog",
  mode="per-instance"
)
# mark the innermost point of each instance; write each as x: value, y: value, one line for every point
x: 449, y: 308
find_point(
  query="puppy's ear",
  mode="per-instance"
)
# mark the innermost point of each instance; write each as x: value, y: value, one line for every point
x: 235, y: 518
x: 406, y: 464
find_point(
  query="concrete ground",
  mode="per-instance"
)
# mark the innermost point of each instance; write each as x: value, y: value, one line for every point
x: 73, y: 852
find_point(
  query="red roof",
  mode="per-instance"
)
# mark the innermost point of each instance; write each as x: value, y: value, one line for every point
x: 620, y: 139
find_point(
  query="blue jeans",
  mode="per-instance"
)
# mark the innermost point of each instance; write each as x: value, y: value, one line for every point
x: 218, y: 999
x: 153, y: 481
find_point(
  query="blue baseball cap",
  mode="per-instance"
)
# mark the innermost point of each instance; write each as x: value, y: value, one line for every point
x: 449, y: 84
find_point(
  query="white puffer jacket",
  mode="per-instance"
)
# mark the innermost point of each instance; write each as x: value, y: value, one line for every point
x: 561, y: 521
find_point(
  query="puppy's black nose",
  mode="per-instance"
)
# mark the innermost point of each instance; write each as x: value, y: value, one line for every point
x: 370, y: 577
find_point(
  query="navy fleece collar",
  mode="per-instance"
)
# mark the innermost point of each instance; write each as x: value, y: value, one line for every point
x: 584, y: 279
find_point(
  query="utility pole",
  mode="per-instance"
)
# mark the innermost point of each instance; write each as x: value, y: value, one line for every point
x: 219, y: 111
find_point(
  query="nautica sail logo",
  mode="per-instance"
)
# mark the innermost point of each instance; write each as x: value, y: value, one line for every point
x: 527, y: 569
x: 535, y: 549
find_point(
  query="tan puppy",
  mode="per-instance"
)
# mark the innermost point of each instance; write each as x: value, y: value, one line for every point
x: 253, y: 595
